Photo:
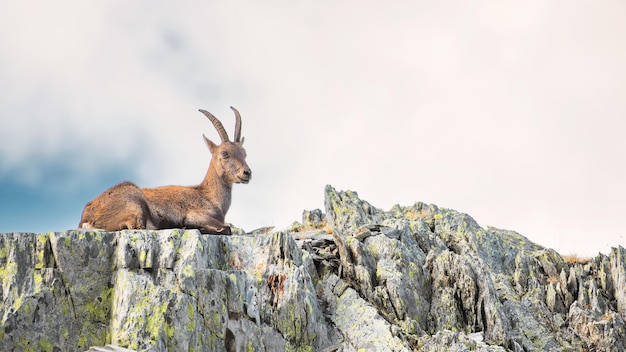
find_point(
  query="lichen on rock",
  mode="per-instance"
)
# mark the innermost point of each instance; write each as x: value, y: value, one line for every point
x: 349, y: 278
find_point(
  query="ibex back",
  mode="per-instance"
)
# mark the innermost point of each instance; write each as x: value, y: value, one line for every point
x: 126, y: 206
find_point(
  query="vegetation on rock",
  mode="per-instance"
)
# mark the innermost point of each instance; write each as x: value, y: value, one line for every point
x: 350, y: 278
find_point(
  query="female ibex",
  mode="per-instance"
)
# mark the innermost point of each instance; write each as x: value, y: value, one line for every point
x: 126, y: 206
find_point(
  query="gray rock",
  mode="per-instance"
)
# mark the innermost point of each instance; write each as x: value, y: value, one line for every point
x: 108, y: 348
x: 351, y: 278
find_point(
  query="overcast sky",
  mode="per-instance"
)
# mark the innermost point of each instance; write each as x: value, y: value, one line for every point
x: 511, y: 112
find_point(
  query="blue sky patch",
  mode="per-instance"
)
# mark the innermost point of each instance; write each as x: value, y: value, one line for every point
x: 52, y: 205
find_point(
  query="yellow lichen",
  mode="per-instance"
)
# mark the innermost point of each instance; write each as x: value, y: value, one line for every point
x: 45, y: 345
x: 191, y: 312
x: 188, y: 270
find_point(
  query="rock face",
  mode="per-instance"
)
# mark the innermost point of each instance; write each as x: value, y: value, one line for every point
x: 352, y: 278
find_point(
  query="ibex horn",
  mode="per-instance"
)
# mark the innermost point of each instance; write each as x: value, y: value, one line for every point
x: 237, y: 125
x: 218, y: 125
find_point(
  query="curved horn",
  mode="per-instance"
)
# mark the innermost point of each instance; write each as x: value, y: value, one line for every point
x: 218, y: 125
x: 237, y: 125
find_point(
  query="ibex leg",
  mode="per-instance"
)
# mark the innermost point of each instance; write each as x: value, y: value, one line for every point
x: 206, y: 224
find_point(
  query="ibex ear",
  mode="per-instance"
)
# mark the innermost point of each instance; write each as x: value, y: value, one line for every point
x: 209, y: 144
x: 242, y: 139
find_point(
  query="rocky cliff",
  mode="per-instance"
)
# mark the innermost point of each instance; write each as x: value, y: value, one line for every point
x: 352, y: 278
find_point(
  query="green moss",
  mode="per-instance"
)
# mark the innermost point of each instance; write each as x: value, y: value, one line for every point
x: 67, y: 241
x: 3, y: 252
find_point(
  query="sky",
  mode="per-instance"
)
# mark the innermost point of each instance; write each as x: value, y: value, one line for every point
x: 511, y: 112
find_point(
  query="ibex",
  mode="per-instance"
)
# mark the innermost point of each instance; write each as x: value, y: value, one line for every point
x: 126, y: 206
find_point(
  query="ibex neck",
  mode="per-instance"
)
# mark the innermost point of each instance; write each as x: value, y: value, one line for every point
x: 218, y: 189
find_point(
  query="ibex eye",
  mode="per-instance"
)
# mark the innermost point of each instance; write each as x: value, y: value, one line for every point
x: 224, y: 154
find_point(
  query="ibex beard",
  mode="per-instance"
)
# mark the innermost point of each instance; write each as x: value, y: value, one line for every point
x: 203, y: 207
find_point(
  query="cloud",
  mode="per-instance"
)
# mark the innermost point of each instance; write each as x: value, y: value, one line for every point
x: 512, y: 113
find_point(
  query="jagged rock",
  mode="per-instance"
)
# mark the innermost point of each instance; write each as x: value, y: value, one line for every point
x: 350, y: 278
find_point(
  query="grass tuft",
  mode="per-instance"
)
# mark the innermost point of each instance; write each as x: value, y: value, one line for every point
x: 572, y: 259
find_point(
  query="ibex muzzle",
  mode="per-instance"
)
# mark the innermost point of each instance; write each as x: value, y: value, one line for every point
x: 126, y: 206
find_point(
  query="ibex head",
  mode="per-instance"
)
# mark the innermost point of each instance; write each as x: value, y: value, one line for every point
x: 229, y: 158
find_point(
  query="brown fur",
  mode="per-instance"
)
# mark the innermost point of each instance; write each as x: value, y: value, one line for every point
x: 126, y: 206
x: 123, y: 206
